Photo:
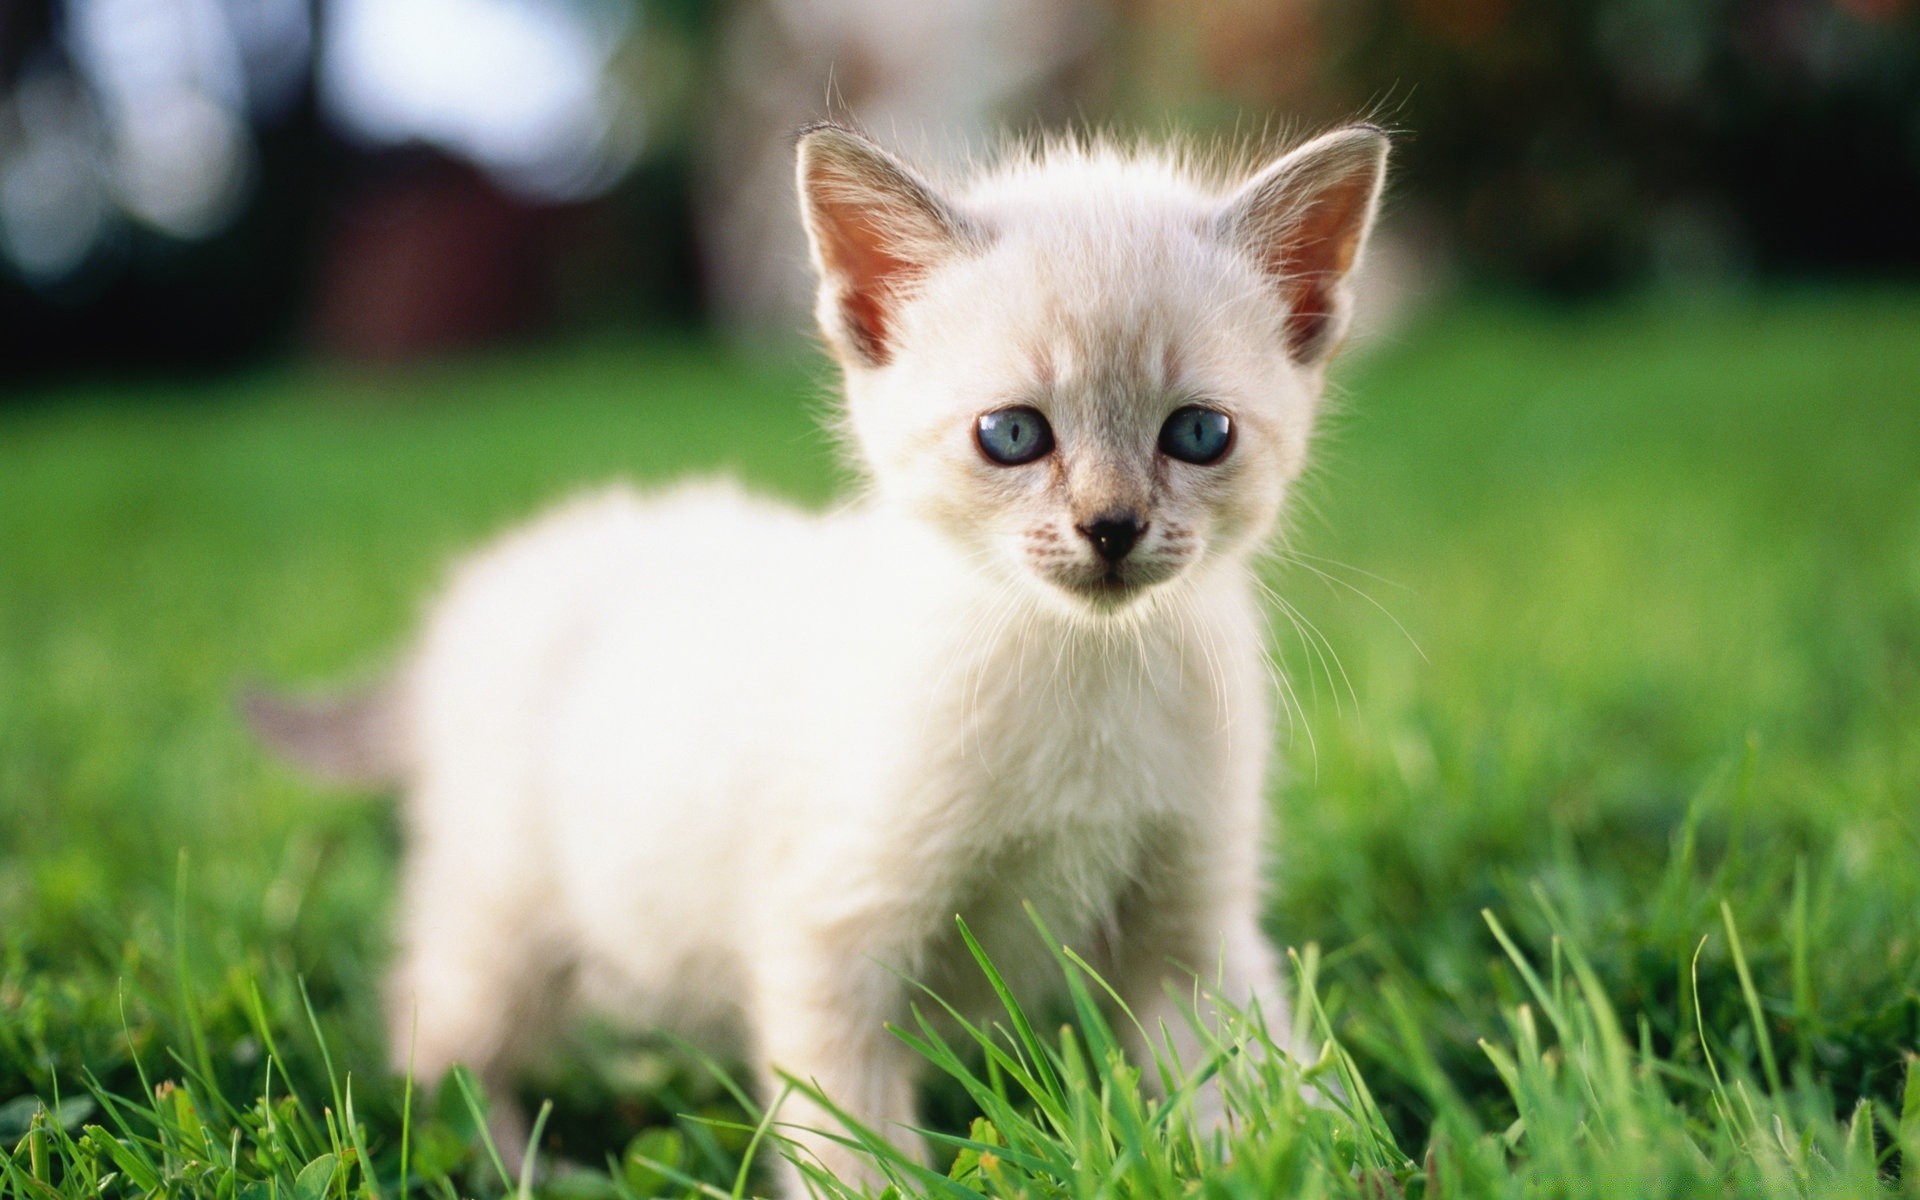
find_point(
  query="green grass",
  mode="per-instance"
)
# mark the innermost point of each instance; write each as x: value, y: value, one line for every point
x: 1609, y: 885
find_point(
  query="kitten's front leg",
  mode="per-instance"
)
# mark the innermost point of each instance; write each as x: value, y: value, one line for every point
x: 1190, y: 941
x: 821, y: 1019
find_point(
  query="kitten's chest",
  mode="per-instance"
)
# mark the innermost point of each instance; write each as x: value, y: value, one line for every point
x: 1052, y: 813
x: 1073, y: 735
x: 1054, y: 776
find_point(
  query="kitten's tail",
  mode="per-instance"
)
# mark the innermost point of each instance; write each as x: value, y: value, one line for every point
x: 352, y: 738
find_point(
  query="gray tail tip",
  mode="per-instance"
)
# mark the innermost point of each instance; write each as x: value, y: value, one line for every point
x: 350, y: 738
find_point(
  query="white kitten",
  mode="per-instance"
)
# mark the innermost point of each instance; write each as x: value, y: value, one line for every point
x: 705, y: 762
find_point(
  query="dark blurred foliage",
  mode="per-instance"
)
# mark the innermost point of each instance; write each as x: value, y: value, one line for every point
x: 1584, y: 143
x: 144, y: 297
x: 134, y: 294
x: 354, y: 249
x: 1570, y: 145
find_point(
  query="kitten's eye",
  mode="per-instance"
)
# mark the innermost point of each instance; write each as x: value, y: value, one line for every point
x: 1012, y: 436
x: 1197, y: 435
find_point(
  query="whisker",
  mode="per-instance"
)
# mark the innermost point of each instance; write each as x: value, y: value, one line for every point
x: 1281, y: 681
x: 1334, y: 580
x: 1298, y: 555
x: 1318, y: 642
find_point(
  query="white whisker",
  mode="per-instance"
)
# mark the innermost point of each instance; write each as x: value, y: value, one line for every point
x: 1332, y: 580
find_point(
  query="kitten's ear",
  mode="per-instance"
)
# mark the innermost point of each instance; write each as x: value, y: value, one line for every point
x: 875, y: 229
x: 1304, y: 220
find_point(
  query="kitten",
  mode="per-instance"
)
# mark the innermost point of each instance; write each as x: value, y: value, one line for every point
x: 709, y: 763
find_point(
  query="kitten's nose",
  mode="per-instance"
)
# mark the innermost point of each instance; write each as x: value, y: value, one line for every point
x: 1113, y: 535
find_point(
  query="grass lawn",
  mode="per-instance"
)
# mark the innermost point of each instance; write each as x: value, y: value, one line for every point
x: 1601, y: 813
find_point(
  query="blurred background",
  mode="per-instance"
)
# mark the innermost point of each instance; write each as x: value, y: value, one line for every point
x: 1605, y: 587
x: 202, y: 183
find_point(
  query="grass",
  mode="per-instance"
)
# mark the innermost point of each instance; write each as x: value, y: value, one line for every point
x: 1605, y: 872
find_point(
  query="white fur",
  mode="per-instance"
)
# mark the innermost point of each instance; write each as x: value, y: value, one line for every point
x: 702, y: 761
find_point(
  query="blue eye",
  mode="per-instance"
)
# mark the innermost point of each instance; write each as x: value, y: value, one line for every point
x: 1012, y: 436
x: 1197, y: 435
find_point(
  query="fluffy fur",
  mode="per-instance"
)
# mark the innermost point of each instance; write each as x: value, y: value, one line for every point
x: 702, y: 761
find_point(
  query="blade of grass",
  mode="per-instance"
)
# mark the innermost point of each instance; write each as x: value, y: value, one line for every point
x: 1767, y: 1061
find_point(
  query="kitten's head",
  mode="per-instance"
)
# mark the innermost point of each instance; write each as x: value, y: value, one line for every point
x: 1092, y: 370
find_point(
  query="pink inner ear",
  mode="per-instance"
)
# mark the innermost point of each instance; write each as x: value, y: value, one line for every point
x: 1316, y: 251
x: 861, y: 258
x: 1309, y: 315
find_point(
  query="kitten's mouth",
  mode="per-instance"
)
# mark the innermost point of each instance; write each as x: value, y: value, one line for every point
x: 1110, y: 588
